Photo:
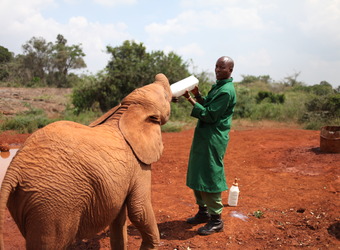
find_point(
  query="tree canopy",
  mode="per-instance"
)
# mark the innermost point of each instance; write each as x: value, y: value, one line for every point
x: 43, y: 63
x: 5, y: 57
x: 130, y: 67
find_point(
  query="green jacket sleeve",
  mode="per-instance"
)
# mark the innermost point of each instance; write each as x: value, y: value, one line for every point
x: 211, y: 112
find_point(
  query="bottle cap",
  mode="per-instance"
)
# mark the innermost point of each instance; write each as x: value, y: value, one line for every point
x: 235, y: 182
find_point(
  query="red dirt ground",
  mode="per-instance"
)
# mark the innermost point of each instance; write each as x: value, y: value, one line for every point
x: 282, y: 174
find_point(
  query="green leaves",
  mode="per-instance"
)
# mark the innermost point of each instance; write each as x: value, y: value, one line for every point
x: 42, y: 63
x: 130, y: 67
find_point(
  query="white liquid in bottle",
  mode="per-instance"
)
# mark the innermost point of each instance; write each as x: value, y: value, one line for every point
x: 233, y: 194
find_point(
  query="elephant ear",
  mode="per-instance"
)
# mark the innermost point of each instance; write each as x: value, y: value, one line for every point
x: 141, y: 129
x: 141, y: 123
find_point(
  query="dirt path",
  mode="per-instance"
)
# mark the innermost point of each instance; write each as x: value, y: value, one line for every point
x: 282, y: 174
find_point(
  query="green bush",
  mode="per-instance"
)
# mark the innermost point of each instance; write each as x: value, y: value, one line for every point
x: 321, y: 111
x: 267, y: 110
x: 321, y: 89
x: 177, y: 126
x: 271, y: 97
x: 130, y: 67
x: 85, y: 93
x: 26, y: 122
x: 245, y: 102
x: 85, y: 117
x: 328, y: 106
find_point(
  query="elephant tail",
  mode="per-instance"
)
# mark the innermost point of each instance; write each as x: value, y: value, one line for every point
x: 9, y: 183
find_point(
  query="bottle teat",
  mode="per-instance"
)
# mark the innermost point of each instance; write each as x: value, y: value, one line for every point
x: 235, y: 182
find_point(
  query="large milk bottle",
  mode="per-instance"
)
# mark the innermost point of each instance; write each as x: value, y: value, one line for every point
x: 179, y: 88
x: 233, y: 194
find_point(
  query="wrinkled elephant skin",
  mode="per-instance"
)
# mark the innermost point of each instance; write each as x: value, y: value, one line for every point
x: 69, y: 181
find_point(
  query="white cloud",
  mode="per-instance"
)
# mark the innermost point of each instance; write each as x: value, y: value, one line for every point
x: 94, y: 38
x: 205, y: 3
x: 243, y: 18
x: 322, y: 18
x: 256, y: 59
x: 329, y: 69
x: 22, y: 20
x: 190, y: 50
x: 263, y: 37
x: 180, y: 25
x: 115, y: 2
x: 78, y: 22
x: 192, y: 21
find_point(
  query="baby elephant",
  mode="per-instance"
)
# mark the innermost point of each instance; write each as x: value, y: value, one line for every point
x: 70, y: 181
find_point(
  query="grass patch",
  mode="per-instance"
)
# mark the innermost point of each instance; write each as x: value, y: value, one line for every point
x: 177, y: 126
x: 26, y: 122
x: 258, y: 214
x: 84, y: 118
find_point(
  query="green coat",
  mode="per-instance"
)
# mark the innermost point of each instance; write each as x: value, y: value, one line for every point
x: 211, y: 137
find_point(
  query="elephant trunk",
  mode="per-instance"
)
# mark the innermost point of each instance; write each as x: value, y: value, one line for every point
x: 9, y: 183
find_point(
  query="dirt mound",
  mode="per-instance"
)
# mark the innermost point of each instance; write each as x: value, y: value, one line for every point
x: 284, y: 179
x: 51, y: 100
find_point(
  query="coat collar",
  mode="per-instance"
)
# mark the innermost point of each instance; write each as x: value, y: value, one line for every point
x: 222, y: 82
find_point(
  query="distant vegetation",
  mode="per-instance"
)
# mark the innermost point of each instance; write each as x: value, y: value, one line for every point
x: 46, y: 64
x: 312, y: 106
x: 42, y: 64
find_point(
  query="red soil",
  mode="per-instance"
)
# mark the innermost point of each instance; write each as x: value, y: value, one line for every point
x: 281, y: 172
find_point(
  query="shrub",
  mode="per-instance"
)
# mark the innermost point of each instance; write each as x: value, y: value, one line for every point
x: 85, y: 93
x: 245, y: 102
x: 85, y: 117
x: 266, y: 110
x: 26, y: 122
x: 271, y: 97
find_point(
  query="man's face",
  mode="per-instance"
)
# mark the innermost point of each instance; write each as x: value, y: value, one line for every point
x: 223, y: 69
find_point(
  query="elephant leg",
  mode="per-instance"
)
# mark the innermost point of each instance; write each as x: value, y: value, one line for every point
x: 118, y: 231
x: 143, y: 217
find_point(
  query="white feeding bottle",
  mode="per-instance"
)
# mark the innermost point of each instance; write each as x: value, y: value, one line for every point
x: 233, y: 194
x: 179, y: 88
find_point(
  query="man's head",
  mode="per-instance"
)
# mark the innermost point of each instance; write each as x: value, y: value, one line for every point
x: 224, y: 68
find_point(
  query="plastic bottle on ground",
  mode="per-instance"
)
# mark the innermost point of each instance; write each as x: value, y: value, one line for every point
x: 233, y: 194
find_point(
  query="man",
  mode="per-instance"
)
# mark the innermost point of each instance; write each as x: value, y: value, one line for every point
x: 206, y: 169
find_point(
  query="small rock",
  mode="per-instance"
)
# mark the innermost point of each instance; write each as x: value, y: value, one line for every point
x: 301, y: 210
x: 4, y: 147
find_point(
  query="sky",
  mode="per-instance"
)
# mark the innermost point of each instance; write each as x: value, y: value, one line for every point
x: 279, y: 38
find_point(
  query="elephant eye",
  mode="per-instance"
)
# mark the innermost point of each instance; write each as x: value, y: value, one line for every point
x: 155, y: 119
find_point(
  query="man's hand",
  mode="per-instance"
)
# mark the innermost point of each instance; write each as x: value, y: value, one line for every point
x: 196, y: 92
x: 186, y: 94
x: 175, y: 99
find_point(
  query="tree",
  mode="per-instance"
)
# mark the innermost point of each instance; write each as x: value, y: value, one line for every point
x: 247, y: 79
x: 130, y: 67
x: 63, y: 59
x: 171, y: 64
x: 322, y: 89
x: 5, y: 58
x: 35, y: 62
x: 5, y: 55
x: 44, y: 63
x: 292, y: 80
